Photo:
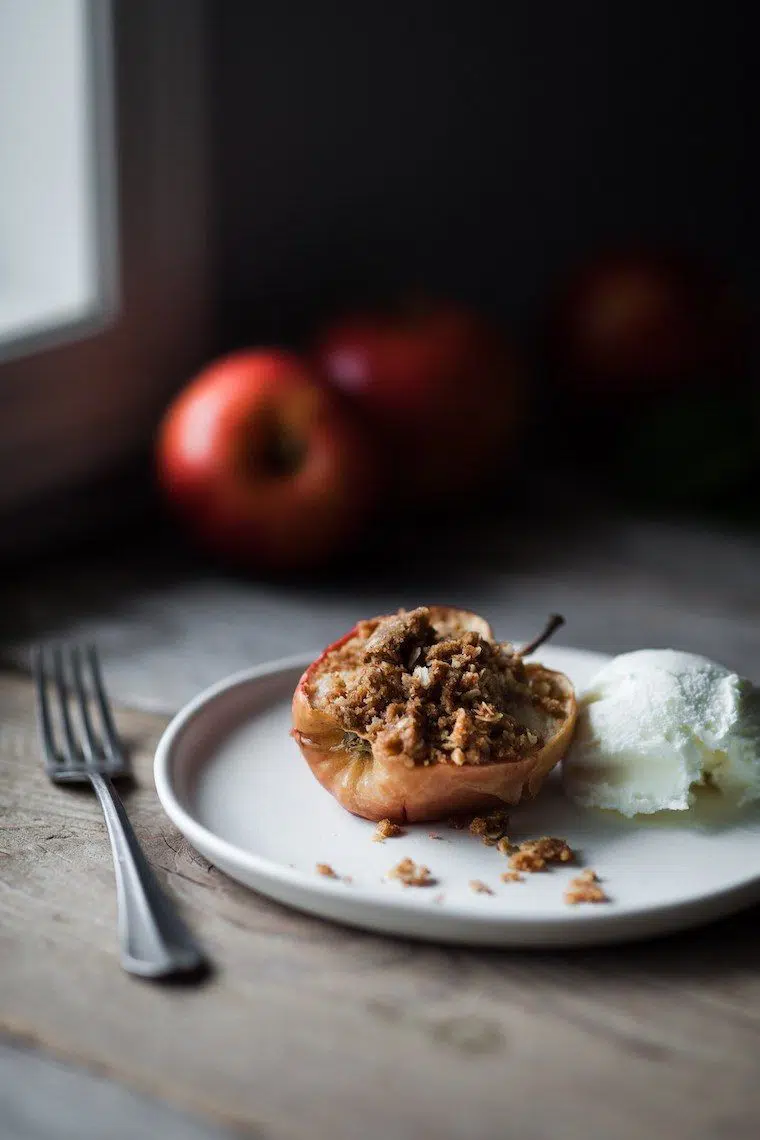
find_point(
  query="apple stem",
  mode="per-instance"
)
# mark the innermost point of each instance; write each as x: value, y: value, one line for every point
x: 554, y: 622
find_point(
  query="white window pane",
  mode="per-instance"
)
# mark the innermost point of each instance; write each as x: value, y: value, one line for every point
x: 55, y: 267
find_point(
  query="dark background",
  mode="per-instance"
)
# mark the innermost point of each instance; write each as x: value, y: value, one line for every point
x: 473, y: 148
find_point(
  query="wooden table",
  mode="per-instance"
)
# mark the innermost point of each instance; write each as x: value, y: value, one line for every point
x: 312, y: 1030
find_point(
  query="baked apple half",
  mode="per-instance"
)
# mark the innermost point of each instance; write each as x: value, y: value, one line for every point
x: 423, y: 714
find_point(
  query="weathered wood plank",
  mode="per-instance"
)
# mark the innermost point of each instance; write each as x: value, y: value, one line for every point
x: 166, y: 627
x: 313, y: 1030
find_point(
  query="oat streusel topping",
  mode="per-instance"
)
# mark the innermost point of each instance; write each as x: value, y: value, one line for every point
x: 405, y: 688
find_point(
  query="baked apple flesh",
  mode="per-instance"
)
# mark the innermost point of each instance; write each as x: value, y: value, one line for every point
x: 423, y: 714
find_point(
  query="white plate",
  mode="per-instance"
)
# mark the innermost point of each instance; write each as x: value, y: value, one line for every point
x: 233, y: 781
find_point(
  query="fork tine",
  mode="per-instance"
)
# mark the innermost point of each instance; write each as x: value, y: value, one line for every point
x: 113, y: 745
x: 71, y: 750
x: 90, y: 744
x: 44, y: 723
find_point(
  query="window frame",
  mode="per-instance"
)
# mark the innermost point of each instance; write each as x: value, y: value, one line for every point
x: 76, y: 403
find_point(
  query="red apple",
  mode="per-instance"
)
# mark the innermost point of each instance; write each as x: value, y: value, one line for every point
x: 437, y: 382
x: 264, y: 462
x: 631, y: 323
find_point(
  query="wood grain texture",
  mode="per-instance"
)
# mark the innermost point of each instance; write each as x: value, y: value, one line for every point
x: 166, y: 626
x: 313, y: 1030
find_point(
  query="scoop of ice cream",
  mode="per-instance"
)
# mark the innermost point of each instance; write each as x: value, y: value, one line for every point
x: 654, y: 724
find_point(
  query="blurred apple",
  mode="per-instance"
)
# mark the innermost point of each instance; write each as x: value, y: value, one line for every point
x: 636, y: 323
x: 264, y: 463
x: 438, y: 383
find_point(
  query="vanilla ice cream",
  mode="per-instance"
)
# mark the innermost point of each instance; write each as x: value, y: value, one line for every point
x: 654, y: 724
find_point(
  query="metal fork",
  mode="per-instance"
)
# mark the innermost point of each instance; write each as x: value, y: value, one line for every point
x: 154, y: 940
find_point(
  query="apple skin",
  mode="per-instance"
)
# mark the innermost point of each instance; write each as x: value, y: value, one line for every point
x: 264, y: 463
x: 439, y: 384
x: 644, y: 323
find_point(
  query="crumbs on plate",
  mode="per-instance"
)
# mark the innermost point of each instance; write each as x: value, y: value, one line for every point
x: 551, y: 849
x: 411, y: 874
x: 491, y: 828
x: 386, y: 829
x: 530, y: 856
x: 479, y: 887
x: 584, y: 888
x: 529, y: 861
x: 534, y: 854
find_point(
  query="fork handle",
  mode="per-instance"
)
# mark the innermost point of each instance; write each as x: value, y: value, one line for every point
x: 155, y: 943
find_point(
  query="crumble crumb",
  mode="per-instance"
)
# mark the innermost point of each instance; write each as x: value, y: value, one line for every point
x: 491, y: 828
x: 386, y: 829
x: 505, y: 846
x: 479, y: 887
x: 411, y: 874
x: 551, y: 849
x: 534, y: 854
x: 326, y: 870
x: 512, y: 877
x: 492, y: 825
x: 530, y: 861
x: 434, y: 835
x: 584, y: 888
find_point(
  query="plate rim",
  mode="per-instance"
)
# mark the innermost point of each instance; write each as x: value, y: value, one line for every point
x: 595, y: 921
